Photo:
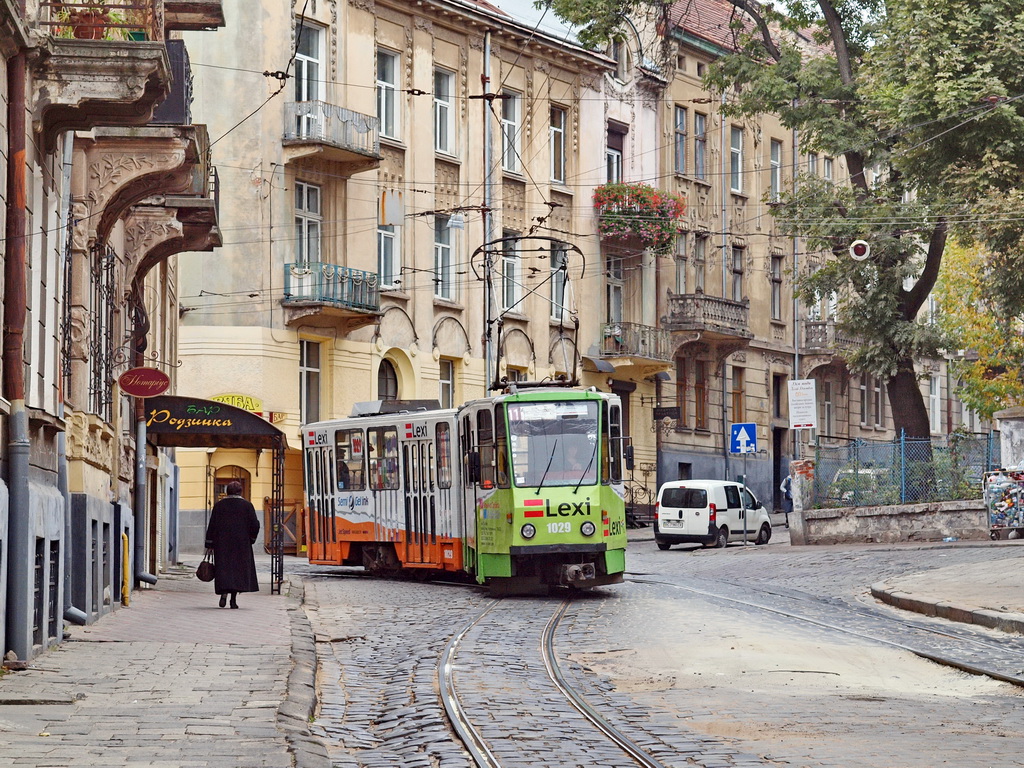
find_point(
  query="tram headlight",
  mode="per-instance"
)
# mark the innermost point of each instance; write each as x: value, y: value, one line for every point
x: 528, y: 531
x: 588, y: 528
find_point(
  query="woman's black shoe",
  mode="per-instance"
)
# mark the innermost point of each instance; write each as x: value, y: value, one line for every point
x: 233, y: 603
x: 223, y: 600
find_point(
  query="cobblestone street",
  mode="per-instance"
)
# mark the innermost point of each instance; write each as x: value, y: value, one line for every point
x: 722, y: 683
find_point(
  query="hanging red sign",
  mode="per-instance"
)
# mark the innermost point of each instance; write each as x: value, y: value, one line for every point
x: 144, y: 382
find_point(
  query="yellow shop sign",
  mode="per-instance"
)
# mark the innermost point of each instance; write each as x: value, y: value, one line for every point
x: 245, y: 402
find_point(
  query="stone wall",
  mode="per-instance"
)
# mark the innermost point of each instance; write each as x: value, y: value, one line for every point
x: 935, y: 521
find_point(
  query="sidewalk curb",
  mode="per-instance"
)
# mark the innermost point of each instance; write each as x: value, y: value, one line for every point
x: 1003, y: 621
x: 293, y: 716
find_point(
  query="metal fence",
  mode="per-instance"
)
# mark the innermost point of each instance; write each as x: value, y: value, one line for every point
x: 861, y: 473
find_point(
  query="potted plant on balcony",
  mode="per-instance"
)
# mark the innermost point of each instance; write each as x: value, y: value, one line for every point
x: 638, y: 211
x: 91, y: 20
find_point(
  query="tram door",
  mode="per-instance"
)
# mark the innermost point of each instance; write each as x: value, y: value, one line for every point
x: 420, y: 504
x: 319, y: 477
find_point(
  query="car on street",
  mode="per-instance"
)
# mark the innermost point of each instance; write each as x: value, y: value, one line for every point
x: 709, y: 512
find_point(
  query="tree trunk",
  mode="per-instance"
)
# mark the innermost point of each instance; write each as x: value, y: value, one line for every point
x: 910, y: 419
x: 906, y: 402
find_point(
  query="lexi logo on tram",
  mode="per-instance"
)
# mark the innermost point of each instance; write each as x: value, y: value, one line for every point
x: 542, y: 508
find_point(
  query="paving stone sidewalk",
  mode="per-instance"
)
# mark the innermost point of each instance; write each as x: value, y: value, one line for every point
x: 171, y: 681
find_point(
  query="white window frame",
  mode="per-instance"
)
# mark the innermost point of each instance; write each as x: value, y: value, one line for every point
x: 826, y: 168
x: 308, y: 223
x: 308, y: 67
x: 812, y: 163
x: 613, y: 289
x: 511, y: 112
x: 389, y: 264
x: 680, y: 263
x: 736, y: 159
x: 700, y: 145
x: 700, y: 245
x: 511, y: 274
x: 878, y: 406
x: 775, y: 171
x: 935, y: 402
x: 446, y: 382
x: 444, y: 111
x: 776, y: 276
x: 736, y: 266
x: 557, y: 129
x: 309, y: 379
x: 681, y: 117
x: 387, y: 94
x: 827, y: 408
x: 444, y: 255
x: 865, y: 400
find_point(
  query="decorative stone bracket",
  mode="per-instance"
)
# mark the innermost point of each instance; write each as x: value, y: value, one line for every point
x: 125, y: 166
x: 80, y: 85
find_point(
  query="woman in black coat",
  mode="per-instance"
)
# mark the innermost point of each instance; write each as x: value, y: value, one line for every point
x: 231, y: 533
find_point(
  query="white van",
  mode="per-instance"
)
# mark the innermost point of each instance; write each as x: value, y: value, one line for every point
x: 708, y: 512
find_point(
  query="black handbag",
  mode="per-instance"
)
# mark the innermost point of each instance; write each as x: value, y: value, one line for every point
x: 206, y: 569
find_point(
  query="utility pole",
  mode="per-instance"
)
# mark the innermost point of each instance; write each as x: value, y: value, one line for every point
x: 485, y: 80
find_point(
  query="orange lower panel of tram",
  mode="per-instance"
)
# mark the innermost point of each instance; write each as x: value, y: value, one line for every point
x: 415, y: 551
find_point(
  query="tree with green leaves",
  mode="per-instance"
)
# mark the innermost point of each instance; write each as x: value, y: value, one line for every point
x: 991, y: 368
x: 924, y: 101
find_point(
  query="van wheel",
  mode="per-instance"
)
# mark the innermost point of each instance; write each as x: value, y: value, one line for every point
x: 723, y: 538
x: 663, y: 545
x: 764, y: 535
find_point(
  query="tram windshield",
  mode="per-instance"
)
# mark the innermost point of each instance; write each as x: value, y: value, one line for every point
x: 554, y: 443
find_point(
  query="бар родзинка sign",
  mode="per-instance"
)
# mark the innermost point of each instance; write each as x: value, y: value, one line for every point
x: 144, y: 382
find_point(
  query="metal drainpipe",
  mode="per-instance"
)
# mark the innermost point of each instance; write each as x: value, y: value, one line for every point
x: 71, y: 613
x: 20, y: 553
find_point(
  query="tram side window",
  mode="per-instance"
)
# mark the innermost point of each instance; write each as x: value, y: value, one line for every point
x: 485, y: 441
x: 383, y: 448
x: 605, y: 451
x: 617, y: 443
x: 349, y: 458
x: 470, y: 460
x: 444, y: 455
x: 501, y: 443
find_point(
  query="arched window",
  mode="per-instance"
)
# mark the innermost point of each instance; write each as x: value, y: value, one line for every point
x: 387, y: 381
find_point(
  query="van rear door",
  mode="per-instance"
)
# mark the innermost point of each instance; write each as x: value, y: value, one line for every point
x: 683, y: 511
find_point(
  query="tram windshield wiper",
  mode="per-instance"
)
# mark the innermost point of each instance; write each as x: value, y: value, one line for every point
x: 550, y: 459
x: 585, y: 471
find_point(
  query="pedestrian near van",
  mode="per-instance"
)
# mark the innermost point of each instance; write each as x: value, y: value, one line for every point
x: 787, y: 496
x: 231, y: 533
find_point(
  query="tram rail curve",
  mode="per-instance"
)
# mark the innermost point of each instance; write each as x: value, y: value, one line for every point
x: 1002, y: 660
x: 461, y: 718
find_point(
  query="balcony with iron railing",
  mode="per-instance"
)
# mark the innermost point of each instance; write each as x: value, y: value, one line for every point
x: 104, y: 64
x: 335, y: 133
x: 635, y: 340
x: 824, y: 336
x: 330, y: 290
x: 715, y: 318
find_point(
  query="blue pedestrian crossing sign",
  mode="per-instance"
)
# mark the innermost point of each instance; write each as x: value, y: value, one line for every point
x: 744, y: 438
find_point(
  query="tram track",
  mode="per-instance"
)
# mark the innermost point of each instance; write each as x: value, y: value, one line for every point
x: 461, y: 719
x: 917, y: 628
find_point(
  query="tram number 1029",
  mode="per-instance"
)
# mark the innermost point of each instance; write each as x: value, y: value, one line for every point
x: 559, y: 527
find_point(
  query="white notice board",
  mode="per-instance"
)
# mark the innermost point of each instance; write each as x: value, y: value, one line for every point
x: 803, y: 404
